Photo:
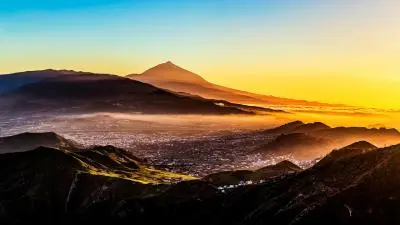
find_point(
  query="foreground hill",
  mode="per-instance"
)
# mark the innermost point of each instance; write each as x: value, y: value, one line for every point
x: 28, y: 141
x: 87, y: 92
x: 338, y: 192
x: 172, y: 77
x: 56, y: 182
x: 53, y: 186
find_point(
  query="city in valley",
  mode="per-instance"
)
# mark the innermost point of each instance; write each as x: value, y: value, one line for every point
x: 242, y: 112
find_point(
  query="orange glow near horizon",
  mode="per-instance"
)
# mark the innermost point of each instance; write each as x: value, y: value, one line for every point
x: 327, y: 51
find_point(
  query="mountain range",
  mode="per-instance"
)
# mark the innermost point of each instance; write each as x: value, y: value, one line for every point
x: 76, y: 92
x: 172, y: 77
x: 313, y: 139
x: 357, y: 184
x: 165, y: 88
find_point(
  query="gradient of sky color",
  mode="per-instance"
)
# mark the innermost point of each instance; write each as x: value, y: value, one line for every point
x: 338, y: 51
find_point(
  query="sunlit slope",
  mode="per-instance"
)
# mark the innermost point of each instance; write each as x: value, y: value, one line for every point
x: 115, y: 162
x: 103, y: 161
x: 172, y: 77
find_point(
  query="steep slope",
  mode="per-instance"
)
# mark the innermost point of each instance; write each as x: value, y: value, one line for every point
x: 354, y: 149
x: 172, y: 77
x: 28, y: 141
x: 53, y: 186
x: 46, y: 184
x: 359, y: 190
x: 172, y: 73
x: 89, y: 92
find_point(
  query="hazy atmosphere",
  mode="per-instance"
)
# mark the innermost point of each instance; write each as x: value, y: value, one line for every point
x: 240, y: 112
x: 331, y: 51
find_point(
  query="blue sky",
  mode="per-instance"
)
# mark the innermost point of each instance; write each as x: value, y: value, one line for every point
x: 307, y: 42
x: 143, y: 30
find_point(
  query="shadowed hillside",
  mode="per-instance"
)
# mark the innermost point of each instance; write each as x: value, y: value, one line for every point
x: 295, y: 143
x: 16, y: 80
x: 338, y: 192
x: 106, y: 184
x: 28, y: 141
x: 87, y: 92
x: 317, y: 138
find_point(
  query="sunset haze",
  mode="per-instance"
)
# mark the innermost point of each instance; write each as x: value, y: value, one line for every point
x: 343, y: 52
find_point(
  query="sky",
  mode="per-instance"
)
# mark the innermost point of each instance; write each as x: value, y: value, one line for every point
x: 334, y: 51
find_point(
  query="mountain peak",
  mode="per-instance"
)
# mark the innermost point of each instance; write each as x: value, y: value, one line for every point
x: 168, y: 72
x: 167, y: 64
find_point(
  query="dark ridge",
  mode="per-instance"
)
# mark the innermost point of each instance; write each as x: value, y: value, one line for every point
x: 312, y: 127
x: 298, y: 127
x: 89, y: 92
x: 288, y: 164
x: 361, y: 145
x: 28, y: 141
x: 291, y: 125
x: 357, y: 148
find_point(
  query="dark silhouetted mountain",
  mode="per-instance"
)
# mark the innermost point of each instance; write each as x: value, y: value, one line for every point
x: 280, y: 168
x: 172, y: 77
x: 298, y: 127
x: 9, y: 82
x: 321, y: 129
x: 28, y: 141
x: 321, y: 138
x: 357, y: 132
x: 354, y: 149
x: 243, y: 176
x: 364, y: 145
x: 87, y: 92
